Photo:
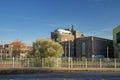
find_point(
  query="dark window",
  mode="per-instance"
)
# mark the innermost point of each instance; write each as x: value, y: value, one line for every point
x: 2, y: 51
x: 118, y: 37
x: 83, y: 48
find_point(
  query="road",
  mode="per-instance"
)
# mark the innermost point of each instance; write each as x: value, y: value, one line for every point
x: 64, y: 76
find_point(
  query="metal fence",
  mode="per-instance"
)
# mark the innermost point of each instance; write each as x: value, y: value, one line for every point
x: 59, y: 63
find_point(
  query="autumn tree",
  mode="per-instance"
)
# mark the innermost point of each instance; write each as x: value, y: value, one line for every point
x: 17, y: 48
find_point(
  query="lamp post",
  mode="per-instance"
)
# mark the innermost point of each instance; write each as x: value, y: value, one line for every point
x: 107, y: 52
x: 69, y: 46
x: 65, y: 50
x: 69, y: 49
x: 11, y: 48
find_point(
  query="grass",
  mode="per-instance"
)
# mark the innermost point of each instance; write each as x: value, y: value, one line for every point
x: 9, y: 61
x: 91, y: 63
x: 97, y: 63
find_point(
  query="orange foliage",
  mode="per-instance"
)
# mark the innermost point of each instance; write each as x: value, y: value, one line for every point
x: 17, y: 46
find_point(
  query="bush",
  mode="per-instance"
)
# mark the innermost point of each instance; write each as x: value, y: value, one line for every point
x: 44, y: 62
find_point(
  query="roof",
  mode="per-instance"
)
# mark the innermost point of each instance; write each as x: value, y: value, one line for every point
x: 96, y: 38
x: 63, y: 30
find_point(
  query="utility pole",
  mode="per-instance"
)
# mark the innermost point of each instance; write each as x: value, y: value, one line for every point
x: 93, y: 53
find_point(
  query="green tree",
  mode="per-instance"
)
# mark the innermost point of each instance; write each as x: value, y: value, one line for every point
x: 47, y: 50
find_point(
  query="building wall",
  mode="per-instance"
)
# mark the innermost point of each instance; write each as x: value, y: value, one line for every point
x: 116, y: 44
x: 83, y: 44
x: 94, y: 46
x: 103, y: 47
x: 68, y: 47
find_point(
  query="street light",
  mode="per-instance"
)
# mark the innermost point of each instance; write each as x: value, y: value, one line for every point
x: 69, y: 46
x: 107, y: 51
x: 69, y: 49
x: 11, y: 48
x: 65, y: 49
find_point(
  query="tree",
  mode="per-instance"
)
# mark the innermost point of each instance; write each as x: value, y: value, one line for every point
x: 17, y: 47
x: 46, y: 49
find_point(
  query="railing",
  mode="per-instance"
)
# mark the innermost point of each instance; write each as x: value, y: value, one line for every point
x: 59, y: 63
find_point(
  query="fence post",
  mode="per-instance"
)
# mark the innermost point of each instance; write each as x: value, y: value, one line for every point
x: 1, y: 57
x: 13, y: 62
x: 49, y: 60
x: 115, y: 63
x: 86, y: 63
x: 100, y: 64
x: 28, y: 63
x: 71, y: 63
x: 42, y: 62
x: 57, y: 62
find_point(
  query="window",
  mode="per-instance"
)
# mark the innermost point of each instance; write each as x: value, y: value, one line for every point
x: 83, y: 48
x: 118, y: 37
x: 1, y: 46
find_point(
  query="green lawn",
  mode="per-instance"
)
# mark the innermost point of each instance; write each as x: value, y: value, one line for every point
x: 91, y: 63
x: 97, y: 63
x: 10, y: 61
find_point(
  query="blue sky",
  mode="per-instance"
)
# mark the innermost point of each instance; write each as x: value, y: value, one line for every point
x: 28, y: 20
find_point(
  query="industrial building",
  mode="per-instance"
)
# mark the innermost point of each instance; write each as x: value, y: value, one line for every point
x: 77, y: 45
x: 116, y: 41
x: 67, y: 37
x: 91, y: 47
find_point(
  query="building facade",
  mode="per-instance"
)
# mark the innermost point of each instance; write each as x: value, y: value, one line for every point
x: 116, y: 41
x: 77, y: 45
x: 5, y: 50
x: 67, y: 38
x: 91, y: 47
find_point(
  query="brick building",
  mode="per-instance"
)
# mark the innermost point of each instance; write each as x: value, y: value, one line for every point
x: 67, y: 37
x: 77, y: 45
x: 94, y: 47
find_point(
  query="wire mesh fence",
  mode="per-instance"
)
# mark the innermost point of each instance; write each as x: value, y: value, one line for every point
x: 59, y: 63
